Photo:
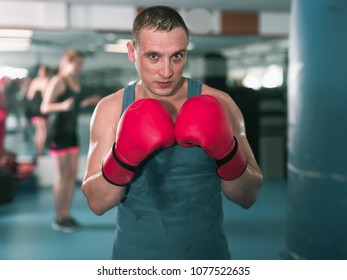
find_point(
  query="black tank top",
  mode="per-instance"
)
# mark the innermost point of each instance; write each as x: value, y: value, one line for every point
x: 63, y: 125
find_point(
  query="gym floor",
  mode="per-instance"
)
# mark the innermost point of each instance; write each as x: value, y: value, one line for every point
x: 258, y: 233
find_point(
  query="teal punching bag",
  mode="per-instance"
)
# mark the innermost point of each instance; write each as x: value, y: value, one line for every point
x: 317, y: 130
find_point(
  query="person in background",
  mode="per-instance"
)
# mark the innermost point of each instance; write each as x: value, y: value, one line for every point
x: 62, y: 100
x: 163, y: 150
x: 34, y: 98
x: 12, y: 101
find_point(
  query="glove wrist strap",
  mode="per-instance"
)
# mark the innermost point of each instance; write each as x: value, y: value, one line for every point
x: 115, y: 171
x: 233, y: 165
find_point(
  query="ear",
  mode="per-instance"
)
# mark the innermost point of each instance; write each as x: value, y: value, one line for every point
x: 131, y: 52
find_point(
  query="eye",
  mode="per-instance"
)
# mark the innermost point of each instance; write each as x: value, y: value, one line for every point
x: 153, y: 56
x: 177, y: 56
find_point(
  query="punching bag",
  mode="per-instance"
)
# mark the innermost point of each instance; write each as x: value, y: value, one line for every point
x: 317, y: 130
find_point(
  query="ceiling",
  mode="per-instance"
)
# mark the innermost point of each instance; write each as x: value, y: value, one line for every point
x: 237, y: 5
x: 47, y: 45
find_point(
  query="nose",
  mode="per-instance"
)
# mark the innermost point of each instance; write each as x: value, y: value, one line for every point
x: 166, y: 70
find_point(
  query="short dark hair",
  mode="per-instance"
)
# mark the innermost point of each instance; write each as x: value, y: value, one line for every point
x: 157, y: 18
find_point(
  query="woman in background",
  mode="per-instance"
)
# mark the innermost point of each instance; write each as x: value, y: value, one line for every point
x: 62, y: 100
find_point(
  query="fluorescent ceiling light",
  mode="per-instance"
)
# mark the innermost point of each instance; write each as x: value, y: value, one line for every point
x: 14, y: 44
x: 111, y: 36
x: 190, y: 46
x: 117, y: 48
x: 14, y: 40
x: 123, y: 41
x: 19, y: 33
x: 13, y: 73
x: 13, y: 48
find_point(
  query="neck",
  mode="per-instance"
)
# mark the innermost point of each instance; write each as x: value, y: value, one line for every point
x: 180, y: 91
x: 173, y: 101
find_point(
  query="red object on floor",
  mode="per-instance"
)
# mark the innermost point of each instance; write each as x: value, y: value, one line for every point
x: 3, y: 113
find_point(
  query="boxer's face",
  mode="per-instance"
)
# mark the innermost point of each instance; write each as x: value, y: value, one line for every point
x: 159, y: 58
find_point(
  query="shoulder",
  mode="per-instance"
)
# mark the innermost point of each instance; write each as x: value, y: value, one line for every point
x: 220, y: 95
x: 43, y: 80
x: 109, y: 107
x: 113, y: 100
x: 57, y: 79
x: 40, y: 83
x: 57, y: 83
x: 230, y: 106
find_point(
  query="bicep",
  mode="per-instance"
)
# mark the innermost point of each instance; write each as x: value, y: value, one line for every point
x: 239, y: 129
x: 242, y: 190
x: 237, y: 123
x: 102, y: 136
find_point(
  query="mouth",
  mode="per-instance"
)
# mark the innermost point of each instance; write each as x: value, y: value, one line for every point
x: 165, y: 84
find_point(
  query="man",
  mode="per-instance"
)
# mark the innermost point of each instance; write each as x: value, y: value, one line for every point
x: 164, y: 148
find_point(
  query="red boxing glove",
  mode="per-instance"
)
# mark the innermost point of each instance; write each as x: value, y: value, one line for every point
x: 144, y: 127
x: 203, y: 121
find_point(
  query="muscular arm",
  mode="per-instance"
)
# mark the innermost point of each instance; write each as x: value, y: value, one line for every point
x: 100, y: 194
x: 242, y: 190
